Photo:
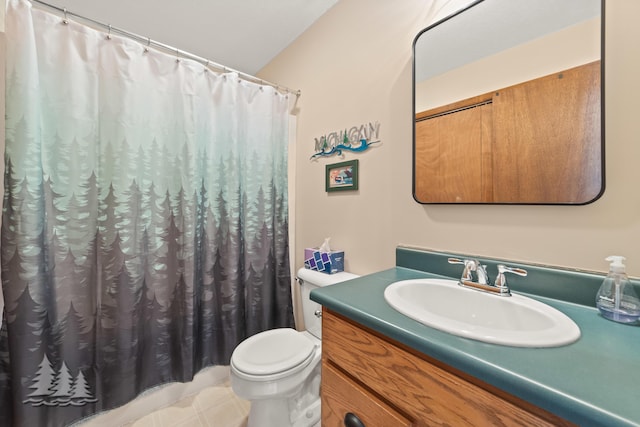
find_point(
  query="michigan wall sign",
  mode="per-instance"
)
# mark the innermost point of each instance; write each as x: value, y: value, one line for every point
x: 355, y: 139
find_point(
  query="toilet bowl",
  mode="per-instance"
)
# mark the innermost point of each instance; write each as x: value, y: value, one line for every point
x: 278, y: 370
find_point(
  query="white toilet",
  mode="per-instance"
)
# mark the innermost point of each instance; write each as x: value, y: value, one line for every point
x: 279, y: 370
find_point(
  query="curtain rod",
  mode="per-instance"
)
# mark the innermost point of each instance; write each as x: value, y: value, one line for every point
x: 179, y: 53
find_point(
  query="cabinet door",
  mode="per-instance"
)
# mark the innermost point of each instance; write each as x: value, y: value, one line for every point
x: 341, y: 397
x: 430, y: 395
x: 547, y: 138
x: 453, y: 156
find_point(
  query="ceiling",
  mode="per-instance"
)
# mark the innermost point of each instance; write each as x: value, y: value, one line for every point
x: 240, y: 34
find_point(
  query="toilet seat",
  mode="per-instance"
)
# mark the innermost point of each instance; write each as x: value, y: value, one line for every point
x: 272, y: 354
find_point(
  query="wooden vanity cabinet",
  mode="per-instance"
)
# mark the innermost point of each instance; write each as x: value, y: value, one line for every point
x: 386, y: 384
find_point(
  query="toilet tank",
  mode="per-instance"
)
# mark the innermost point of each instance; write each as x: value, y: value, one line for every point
x: 309, y: 280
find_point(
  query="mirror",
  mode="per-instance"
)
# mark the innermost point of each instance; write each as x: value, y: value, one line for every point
x: 508, y: 102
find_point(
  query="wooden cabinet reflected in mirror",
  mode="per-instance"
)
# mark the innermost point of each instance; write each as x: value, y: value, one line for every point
x: 534, y: 140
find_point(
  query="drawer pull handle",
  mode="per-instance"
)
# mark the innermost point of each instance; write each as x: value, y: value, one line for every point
x: 352, y: 420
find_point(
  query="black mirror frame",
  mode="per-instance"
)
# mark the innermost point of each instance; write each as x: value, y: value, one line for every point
x: 602, y: 113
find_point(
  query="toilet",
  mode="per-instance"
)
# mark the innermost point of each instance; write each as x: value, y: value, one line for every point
x: 278, y: 370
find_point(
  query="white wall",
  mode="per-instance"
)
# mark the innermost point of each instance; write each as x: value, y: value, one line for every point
x: 555, y: 52
x: 354, y: 66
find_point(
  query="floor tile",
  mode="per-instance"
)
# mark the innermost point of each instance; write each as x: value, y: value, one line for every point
x: 219, y: 406
x: 215, y: 406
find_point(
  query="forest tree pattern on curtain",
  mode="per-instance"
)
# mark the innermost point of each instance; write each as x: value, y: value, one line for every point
x: 144, y: 227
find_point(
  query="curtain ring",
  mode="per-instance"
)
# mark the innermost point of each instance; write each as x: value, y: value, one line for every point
x: 206, y: 67
x: 177, y: 55
x: 146, y: 48
x: 109, y: 33
x: 65, y: 21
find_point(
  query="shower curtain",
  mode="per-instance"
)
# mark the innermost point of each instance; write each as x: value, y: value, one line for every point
x: 144, y: 226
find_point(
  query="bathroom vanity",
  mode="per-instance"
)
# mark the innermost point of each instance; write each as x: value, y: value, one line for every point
x: 385, y: 375
x: 389, y: 370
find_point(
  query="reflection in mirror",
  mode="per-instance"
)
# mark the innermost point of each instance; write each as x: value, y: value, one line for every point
x: 508, y: 104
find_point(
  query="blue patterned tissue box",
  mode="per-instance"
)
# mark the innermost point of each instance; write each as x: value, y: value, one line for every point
x: 326, y: 262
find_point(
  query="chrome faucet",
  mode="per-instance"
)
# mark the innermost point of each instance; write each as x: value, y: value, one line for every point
x: 481, y: 273
x: 482, y: 281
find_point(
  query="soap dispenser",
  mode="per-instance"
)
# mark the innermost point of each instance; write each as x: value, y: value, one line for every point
x: 616, y: 298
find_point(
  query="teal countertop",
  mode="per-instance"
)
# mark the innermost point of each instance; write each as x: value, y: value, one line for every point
x: 592, y: 382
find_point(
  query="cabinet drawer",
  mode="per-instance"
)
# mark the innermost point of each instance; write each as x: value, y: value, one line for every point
x: 423, y: 390
x: 341, y: 396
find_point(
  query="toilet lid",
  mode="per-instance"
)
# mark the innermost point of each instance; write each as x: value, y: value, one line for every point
x: 272, y: 351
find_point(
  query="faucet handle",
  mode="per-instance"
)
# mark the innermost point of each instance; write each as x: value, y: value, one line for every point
x: 470, y: 265
x: 501, y: 281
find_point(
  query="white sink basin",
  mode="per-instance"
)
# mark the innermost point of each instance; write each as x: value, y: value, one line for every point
x: 515, y: 321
